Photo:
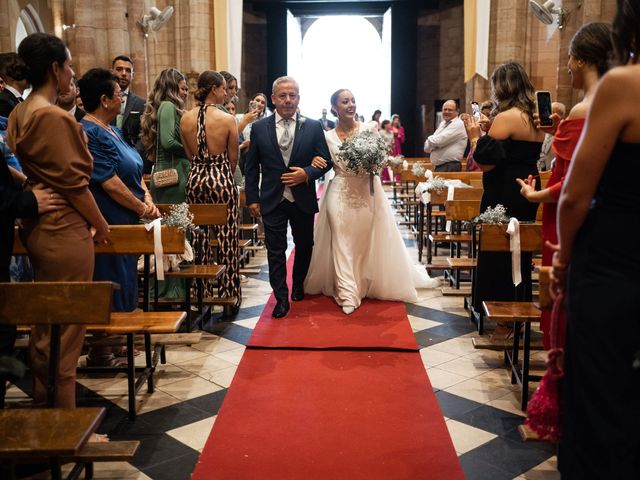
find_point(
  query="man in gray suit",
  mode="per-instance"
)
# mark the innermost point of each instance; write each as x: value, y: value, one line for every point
x: 132, y: 107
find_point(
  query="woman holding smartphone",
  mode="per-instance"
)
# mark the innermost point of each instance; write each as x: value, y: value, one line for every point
x: 589, y: 52
x: 510, y: 150
x: 257, y: 110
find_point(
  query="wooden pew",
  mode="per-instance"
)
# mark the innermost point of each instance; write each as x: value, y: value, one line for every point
x: 493, y: 238
x: 204, y: 214
x: 135, y: 240
x: 56, y: 435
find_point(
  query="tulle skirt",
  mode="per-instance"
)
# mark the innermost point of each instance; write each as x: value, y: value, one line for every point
x: 358, y: 250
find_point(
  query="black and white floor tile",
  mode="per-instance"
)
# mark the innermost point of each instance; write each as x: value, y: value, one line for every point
x: 480, y: 406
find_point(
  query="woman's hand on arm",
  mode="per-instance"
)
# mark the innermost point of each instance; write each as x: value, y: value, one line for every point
x: 119, y: 192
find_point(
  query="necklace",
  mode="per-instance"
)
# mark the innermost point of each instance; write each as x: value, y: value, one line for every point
x: 344, y: 134
x: 101, y: 124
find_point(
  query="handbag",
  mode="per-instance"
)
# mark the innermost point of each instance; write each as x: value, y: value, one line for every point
x: 543, y: 410
x: 167, y: 177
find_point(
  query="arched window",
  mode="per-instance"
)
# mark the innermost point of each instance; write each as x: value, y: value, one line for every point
x: 28, y: 23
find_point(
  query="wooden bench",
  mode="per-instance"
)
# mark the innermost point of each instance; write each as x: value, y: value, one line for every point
x: 204, y: 215
x: 57, y: 435
x: 520, y: 313
x: 134, y: 240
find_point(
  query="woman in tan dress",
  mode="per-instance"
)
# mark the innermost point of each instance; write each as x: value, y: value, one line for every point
x: 53, y: 151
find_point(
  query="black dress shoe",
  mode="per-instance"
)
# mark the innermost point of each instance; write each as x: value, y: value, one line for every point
x: 281, y: 309
x: 297, y: 294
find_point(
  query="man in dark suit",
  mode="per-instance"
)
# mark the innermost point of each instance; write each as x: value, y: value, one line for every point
x: 13, y: 73
x: 67, y: 101
x: 326, y: 123
x: 132, y: 107
x: 283, y: 146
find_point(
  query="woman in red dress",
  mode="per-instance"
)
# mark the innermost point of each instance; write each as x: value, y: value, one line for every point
x: 589, y: 52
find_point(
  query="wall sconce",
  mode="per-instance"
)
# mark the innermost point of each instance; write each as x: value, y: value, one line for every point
x: 66, y: 27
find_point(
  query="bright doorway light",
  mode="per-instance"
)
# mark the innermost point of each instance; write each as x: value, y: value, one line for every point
x: 341, y: 52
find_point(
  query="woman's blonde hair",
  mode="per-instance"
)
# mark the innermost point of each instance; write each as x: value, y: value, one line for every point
x: 164, y: 89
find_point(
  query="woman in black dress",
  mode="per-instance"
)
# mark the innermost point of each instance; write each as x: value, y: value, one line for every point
x: 600, y: 204
x: 509, y: 150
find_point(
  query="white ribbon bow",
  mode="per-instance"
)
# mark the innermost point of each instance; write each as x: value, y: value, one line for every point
x: 157, y: 246
x: 450, y: 189
x: 514, y: 245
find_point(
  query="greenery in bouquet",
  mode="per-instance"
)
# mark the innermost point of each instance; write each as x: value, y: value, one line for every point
x: 437, y: 185
x: 365, y: 152
x: 395, y: 161
x: 492, y: 215
x: 418, y: 169
x: 180, y: 217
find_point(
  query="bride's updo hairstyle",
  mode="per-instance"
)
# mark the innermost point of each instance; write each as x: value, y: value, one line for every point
x: 334, y: 100
x: 206, y: 81
x: 38, y: 51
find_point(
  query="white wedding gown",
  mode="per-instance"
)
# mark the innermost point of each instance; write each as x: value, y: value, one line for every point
x: 358, y: 250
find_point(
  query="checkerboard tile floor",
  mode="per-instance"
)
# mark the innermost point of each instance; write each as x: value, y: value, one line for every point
x: 479, y: 404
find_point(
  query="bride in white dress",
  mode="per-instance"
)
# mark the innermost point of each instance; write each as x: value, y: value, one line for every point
x: 358, y: 250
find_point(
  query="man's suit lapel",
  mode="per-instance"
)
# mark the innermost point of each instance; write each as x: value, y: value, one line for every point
x: 274, y: 136
x: 297, y: 139
x: 128, y: 106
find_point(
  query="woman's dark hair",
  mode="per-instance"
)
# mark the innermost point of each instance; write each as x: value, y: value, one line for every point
x: 393, y: 117
x: 206, y: 81
x: 12, y: 67
x: 266, y: 102
x: 334, y: 99
x: 511, y: 87
x: 376, y: 112
x: 95, y: 83
x: 38, y: 51
x: 228, y: 77
x: 626, y: 31
x: 592, y: 44
x: 385, y: 123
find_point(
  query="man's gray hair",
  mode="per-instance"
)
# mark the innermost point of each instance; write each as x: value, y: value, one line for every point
x: 284, y: 79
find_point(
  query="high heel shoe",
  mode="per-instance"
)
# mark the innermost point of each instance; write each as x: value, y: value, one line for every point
x: 348, y: 310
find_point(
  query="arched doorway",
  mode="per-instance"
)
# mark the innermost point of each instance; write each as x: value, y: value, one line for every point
x: 360, y: 61
x: 28, y: 22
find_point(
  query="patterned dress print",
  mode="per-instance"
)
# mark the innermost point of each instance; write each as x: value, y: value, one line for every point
x: 211, y: 181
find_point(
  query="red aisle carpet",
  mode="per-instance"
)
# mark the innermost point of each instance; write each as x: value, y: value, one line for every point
x: 321, y: 395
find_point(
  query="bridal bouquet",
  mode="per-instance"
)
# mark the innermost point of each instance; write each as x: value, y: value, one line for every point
x: 365, y: 152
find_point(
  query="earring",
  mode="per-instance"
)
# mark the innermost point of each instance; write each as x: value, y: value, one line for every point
x: 104, y: 106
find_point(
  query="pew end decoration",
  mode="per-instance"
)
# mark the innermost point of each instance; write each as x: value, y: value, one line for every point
x: 418, y: 169
x: 497, y: 215
x: 365, y: 152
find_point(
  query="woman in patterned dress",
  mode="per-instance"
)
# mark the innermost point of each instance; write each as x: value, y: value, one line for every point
x: 210, y: 138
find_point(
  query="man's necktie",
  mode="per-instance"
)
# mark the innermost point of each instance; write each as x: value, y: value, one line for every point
x: 285, y: 138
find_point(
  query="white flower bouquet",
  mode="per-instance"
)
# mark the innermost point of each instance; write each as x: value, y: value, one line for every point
x: 365, y: 153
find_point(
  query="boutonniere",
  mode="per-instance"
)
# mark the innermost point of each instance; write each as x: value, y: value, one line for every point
x: 301, y: 120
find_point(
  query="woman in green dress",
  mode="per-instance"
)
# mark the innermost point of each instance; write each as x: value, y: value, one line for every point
x: 160, y: 134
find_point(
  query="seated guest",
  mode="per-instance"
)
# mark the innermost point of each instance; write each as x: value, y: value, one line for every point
x: 116, y: 184
x: 67, y: 101
x: 448, y: 142
x: 60, y: 245
x: 13, y: 73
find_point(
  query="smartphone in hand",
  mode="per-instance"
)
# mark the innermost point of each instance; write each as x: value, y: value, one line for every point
x: 543, y: 106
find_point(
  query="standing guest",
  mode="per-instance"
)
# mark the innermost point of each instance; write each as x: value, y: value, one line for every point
x: 160, y: 136
x: 211, y: 141
x: 510, y: 150
x: 128, y: 120
x: 13, y: 73
x: 60, y: 245
x: 376, y: 118
x: 600, y: 409
x: 326, y: 123
x: 67, y: 101
x: 16, y: 202
x: 589, y: 53
x: 117, y: 186
x: 448, y: 142
x: 486, y: 117
x: 230, y: 107
x: 547, y: 154
x: 231, y: 90
x: 398, y: 135
x: 283, y: 146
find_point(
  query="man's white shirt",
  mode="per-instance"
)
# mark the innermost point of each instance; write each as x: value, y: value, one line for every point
x: 448, y: 142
